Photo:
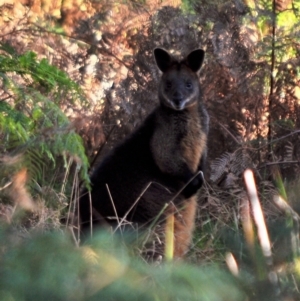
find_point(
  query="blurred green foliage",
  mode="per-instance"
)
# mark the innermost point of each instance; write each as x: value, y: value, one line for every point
x: 50, y: 267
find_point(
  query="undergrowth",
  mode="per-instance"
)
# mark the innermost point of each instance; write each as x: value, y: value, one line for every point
x: 49, y: 267
x: 37, y: 137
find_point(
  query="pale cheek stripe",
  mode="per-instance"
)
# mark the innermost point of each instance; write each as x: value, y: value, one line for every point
x: 170, y: 102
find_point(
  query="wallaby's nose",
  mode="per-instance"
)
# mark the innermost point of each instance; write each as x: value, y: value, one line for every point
x: 177, y: 97
x: 177, y: 102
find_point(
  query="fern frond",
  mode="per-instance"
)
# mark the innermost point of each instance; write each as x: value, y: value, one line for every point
x: 240, y: 161
x: 219, y: 167
x: 289, y: 151
x: 230, y: 166
x: 32, y: 123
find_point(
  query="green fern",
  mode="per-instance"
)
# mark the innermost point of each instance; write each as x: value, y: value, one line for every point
x: 31, y: 120
x: 40, y: 74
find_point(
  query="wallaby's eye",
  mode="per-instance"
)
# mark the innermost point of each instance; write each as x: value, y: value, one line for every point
x: 189, y: 85
x: 168, y: 84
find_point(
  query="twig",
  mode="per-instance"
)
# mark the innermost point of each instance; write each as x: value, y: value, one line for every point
x: 230, y: 134
x: 232, y: 264
x: 74, y: 237
x: 6, y: 185
x: 258, y: 216
x: 272, y: 76
x: 73, y: 199
x: 7, y: 97
x: 289, y: 211
x: 132, y: 206
x: 112, y: 202
x: 274, y: 140
x: 91, y: 213
x: 277, y: 163
x: 95, y: 159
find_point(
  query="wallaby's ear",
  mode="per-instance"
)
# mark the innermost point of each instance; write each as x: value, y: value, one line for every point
x: 163, y: 59
x: 195, y: 59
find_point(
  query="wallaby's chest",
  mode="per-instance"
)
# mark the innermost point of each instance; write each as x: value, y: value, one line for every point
x: 181, y: 133
x: 193, y: 141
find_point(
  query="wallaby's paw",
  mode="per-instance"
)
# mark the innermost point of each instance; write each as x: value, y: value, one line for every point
x: 193, y: 186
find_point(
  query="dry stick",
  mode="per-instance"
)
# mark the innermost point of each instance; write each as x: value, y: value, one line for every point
x: 76, y: 183
x: 126, y: 214
x: 72, y: 201
x: 6, y: 185
x: 272, y: 77
x: 285, y: 207
x: 286, y: 136
x: 278, y: 163
x: 230, y: 134
x: 64, y: 183
x: 232, y: 264
x: 289, y: 211
x: 169, y: 239
x: 100, y: 149
x: 258, y: 216
x: 91, y: 213
x: 276, y: 140
x: 76, y: 240
x: 248, y: 226
x: 262, y: 232
x: 113, y: 204
x: 72, y: 198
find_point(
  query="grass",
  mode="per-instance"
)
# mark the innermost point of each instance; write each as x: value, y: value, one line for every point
x: 50, y: 267
x: 231, y: 258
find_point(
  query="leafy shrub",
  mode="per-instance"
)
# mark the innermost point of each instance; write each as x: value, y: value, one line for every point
x: 32, y: 123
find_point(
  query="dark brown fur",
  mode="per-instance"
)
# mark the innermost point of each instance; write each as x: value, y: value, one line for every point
x: 167, y: 150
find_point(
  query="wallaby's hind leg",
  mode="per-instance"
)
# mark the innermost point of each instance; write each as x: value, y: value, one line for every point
x: 184, y: 222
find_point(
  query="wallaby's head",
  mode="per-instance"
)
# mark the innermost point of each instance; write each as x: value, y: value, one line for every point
x: 179, y: 86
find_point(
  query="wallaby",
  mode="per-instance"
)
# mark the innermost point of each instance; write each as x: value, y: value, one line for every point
x: 167, y: 150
